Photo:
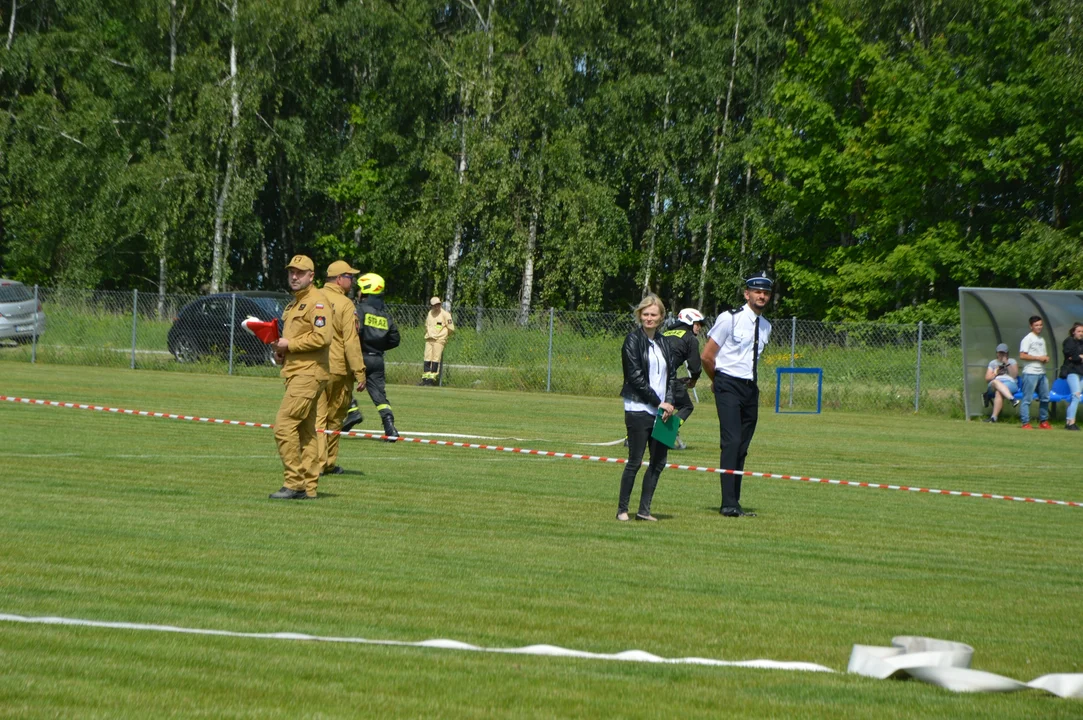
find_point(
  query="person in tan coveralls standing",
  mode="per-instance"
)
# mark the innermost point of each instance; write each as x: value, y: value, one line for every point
x: 345, y: 361
x: 438, y: 328
x: 303, y: 352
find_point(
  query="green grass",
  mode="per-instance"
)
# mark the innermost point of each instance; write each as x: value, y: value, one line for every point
x: 873, y: 370
x: 155, y: 521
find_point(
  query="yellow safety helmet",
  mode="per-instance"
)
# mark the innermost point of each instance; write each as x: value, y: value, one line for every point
x: 370, y: 284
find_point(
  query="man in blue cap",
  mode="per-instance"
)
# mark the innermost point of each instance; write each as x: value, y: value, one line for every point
x: 734, y: 346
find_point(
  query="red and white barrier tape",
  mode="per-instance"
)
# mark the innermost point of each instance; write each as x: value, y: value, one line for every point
x: 547, y: 453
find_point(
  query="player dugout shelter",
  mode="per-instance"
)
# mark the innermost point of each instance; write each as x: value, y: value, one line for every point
x: 990, y: 316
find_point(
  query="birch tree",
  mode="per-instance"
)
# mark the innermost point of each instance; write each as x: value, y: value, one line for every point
x: 222, y: 223
x: 719, y: 146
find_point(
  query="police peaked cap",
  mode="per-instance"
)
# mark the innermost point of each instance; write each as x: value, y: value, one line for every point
x: 760, y: 282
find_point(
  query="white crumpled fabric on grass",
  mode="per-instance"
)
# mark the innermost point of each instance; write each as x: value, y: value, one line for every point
x: 947, y: 664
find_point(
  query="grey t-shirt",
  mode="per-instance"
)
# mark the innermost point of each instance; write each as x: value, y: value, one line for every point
x: 1002, y: 370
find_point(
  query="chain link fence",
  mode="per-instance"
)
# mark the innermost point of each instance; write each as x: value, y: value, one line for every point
x: 865, y: 365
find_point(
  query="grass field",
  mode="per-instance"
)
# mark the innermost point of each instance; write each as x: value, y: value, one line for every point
x: 120, y: 518
x: 867, y: 366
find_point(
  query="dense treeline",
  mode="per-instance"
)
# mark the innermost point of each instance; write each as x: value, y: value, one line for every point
x: 872, y: 155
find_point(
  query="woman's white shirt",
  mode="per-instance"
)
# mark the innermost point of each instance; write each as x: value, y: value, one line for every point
x: 656, y: 375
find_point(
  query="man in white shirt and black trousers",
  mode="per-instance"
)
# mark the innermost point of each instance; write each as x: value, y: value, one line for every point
x: 730, y: 359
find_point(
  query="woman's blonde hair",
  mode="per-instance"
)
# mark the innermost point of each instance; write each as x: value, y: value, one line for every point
x: 645, y: 303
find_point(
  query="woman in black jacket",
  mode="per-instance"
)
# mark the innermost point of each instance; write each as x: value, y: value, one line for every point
x: 1072, y: 371
x: 649, y: 377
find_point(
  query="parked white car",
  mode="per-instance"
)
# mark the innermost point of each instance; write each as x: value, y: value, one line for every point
x: 19, y: 313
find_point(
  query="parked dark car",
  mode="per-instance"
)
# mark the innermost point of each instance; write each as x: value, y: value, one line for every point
x: 202, y: 327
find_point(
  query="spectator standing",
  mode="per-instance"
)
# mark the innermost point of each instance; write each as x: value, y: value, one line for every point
x: 438, y: 328
x: 650, y: 375
x: 303, y: 352
x: 1072, y: 371
x: 345, y: 364
x: 378, y: 335
x: 1032, y: 350
x: 683, y: 342
x: 730, y: 358
x: 1002, y: 376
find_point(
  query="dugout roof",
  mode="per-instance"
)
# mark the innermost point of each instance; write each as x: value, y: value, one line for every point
x: 990, y: 316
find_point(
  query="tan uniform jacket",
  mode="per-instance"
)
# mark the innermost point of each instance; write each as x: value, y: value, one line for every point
x: 307, y: 325
x: 439, y: 327
x: 345, y: 357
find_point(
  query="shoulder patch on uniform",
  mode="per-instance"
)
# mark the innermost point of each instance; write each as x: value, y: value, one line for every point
x: 302, y: 306
x: 734, y: 311
x: 320, y: 321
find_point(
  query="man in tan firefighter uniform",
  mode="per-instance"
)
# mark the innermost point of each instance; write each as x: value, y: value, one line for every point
x: 345, y: 363
x: 303, y: 351
x: 438, y: 328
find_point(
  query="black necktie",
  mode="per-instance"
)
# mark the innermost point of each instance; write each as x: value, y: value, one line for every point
x: 755, y: 348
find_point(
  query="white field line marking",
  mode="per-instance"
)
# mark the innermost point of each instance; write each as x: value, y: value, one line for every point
x: 547, y: 453
x: 440, y: 644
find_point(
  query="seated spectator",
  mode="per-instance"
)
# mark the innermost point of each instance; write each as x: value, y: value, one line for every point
x: 1072, y: 371
x: 1002, y: 376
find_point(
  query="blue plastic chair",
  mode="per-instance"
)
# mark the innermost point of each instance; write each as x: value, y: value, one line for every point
x: 1060, y: 392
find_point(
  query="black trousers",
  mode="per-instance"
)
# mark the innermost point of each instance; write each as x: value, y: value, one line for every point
x: 682, y: 402
x: 737, y: 402
x: 639, y: 426
x: 375, y: 382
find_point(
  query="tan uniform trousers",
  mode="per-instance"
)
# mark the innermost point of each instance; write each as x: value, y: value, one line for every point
x: 331, y: 410
x: 434, y: 350
x: 295, y: 433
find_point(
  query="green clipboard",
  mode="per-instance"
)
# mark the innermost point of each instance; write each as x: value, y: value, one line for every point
x: 665, y: 432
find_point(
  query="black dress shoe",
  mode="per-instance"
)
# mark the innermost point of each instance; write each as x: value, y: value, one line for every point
x: 336, y: 470
x: 736, y: 512
x: 286, y: 494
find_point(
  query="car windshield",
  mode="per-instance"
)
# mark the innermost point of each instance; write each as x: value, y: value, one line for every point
x: 274, y: 306
x: 15, y: 292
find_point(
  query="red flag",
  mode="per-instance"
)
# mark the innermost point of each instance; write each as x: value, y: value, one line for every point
x: 265, y: 330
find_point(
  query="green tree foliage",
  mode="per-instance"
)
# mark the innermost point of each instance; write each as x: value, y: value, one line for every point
x: 567, y: 153
x: 919, y: 153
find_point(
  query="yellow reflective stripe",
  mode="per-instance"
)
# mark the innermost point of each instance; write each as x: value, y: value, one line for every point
x: 375, y: 321
x: 674, y: 333
x: 385, y: 406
